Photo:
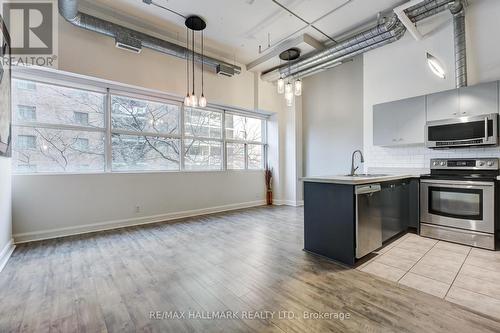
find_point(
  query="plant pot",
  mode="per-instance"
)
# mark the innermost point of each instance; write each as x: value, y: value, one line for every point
x: 269, y: 198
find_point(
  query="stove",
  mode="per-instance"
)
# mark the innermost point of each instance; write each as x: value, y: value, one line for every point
x: 458, y: 201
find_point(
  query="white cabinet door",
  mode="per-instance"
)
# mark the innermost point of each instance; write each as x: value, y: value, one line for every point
x: 479, y: 99
x: 443, y: 105
x: 399, y: 123
x: 412, y: 121
x: 384, y: 124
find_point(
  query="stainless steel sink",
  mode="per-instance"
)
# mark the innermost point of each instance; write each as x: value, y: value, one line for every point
x: 368, y: 175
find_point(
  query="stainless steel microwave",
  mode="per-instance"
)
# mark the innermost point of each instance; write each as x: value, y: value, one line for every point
x: 462, y: 132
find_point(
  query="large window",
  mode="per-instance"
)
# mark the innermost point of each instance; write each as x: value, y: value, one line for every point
x: 46, y: 136
x: 245, y: 142
x: 145, y: 134
x: 67, y: 129
x: 203, y: 139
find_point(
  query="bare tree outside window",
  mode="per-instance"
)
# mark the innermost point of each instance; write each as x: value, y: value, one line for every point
x: 42, y: 109
x: 63, y: 129
x: 145, y: 152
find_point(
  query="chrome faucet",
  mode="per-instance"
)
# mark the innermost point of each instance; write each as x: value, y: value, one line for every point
x: 353, y: 169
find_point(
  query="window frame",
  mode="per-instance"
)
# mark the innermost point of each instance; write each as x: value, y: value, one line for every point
x: 110, y: 130
x: 245, y: 142
x: 109, y: 89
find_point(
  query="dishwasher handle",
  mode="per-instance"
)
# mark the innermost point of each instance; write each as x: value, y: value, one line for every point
x: 367, y: 189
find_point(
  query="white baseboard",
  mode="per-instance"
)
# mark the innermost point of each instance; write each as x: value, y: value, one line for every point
x: 6, y: 253
x: 82, y: 229
x: 297, y: 203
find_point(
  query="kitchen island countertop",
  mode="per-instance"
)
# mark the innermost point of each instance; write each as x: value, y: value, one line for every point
x: 357, y: 180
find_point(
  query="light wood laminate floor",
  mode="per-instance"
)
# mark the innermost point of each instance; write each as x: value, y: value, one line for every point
x: 249, y: 262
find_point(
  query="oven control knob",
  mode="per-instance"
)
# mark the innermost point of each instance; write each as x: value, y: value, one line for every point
x: 490, y: 163
x: 435, y: 163
x: 443, y: 163
x: 481, y: 163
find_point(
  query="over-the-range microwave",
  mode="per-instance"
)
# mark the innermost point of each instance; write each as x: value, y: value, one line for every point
x: 462, y: 132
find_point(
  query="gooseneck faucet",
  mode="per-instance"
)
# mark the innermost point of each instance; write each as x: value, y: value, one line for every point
x: 353, y: 169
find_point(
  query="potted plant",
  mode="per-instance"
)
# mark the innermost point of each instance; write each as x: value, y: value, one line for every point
x: 269, y: 185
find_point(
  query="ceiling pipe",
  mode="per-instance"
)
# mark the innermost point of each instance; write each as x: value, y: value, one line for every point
x: 69, y: 10
x: 457, y: 9
x: 387, y: 30
x: 385, y: 33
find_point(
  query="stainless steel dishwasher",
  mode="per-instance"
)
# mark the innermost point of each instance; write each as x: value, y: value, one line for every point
x: 368, y: 219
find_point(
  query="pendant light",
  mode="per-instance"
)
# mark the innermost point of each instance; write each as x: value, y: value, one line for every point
x: 203, y: 100
x: 297, y: 85
x: 287, y: 87
x: 281, y: 86
x: 194, y: 98
x: 187, y: 99
x: 195, y: 23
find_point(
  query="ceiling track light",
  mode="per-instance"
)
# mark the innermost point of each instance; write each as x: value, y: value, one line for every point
x: 195, y: 23
x: 436, y: 67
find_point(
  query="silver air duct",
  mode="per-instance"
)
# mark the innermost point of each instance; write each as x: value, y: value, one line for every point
x: 133, y: 40
x: 458, y: 12
x: 385, y: 33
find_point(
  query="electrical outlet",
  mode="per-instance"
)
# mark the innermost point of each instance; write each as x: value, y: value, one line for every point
x: 137, y: 209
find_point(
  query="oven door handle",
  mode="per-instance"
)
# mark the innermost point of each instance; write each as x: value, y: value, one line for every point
x: 457, y: 183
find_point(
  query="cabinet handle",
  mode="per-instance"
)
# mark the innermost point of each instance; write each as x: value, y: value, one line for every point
x: 400, y: 139
x: 464, y: 112
x: 454, y: 113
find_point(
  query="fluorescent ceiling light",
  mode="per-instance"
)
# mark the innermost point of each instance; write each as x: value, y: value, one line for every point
x: 435, y: 66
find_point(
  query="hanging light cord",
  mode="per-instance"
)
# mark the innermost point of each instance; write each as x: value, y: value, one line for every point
x: 193, y: 61
x: 187, y: 60
x: 202, y: 60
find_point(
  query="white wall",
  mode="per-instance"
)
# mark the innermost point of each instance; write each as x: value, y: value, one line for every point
x: 332, y: 119
x: 6, y: 245
x: 399, y: 71
x: 63, y: 204
x: 51, y: 205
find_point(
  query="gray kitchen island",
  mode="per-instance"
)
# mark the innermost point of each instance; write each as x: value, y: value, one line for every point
x: 348, y: 217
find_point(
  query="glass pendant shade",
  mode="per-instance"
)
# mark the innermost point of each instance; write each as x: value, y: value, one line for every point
x: 289, y: 99
x: 193, y: 101
x: 297, y: 87
x: 281, y: 86
x: 288, y: 88
x: 203, y: 101
x: 187, y: 100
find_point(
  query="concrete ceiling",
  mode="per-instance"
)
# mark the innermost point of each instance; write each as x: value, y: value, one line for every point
x: 236, y: 28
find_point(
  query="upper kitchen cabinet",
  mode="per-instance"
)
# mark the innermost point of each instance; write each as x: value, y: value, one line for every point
x: 464, y: 102
x: 443, y: 105
x: 399, y: 123
x: 479, y: 99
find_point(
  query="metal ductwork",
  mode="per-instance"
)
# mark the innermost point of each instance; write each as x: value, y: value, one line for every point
x: 458, y: 12
x: 389, y: 31
x: 69, y: 10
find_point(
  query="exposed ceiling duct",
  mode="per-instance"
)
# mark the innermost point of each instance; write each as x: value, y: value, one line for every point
x: 389, y: 31
x: 133, y: 40
x: 458, y: 11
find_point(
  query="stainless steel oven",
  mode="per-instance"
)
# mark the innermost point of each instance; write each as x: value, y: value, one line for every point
x: 462, y: 132
x: 457, y: 201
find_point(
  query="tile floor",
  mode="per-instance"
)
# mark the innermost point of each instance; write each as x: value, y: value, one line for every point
x: 460, y: 274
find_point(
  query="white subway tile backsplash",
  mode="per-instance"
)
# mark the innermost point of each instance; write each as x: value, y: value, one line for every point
x: 419, y: 156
